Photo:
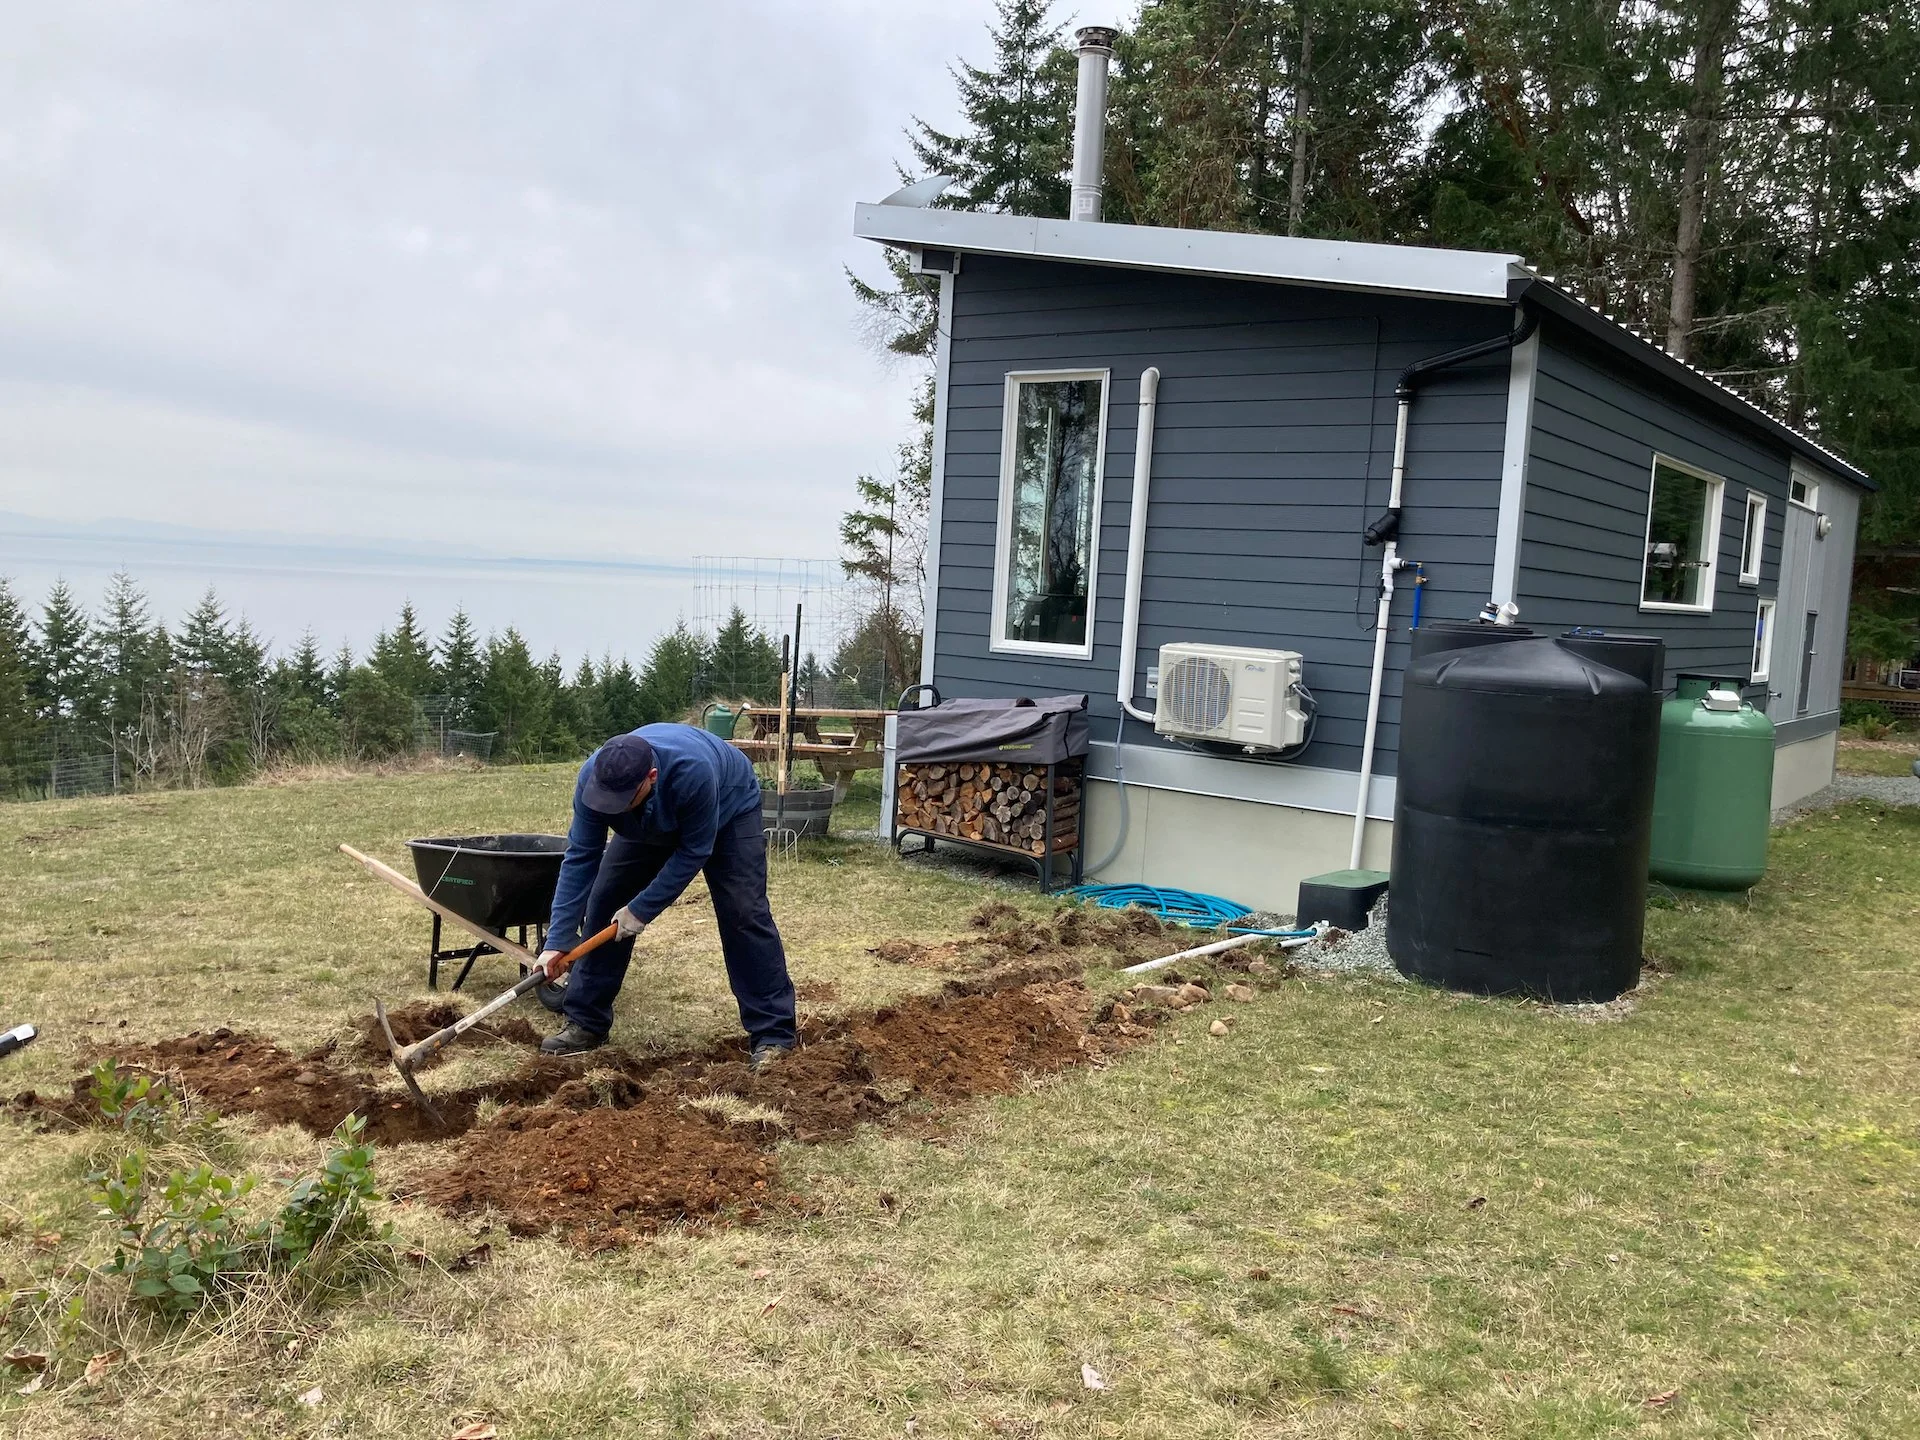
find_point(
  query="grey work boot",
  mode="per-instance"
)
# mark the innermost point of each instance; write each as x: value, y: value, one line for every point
x: 574, y: 1039
x: 767, y: 1055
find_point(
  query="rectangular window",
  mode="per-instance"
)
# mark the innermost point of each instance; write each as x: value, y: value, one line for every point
x: 1052, y: 453
x: 1753, y: 539
x: 1683, y: 538
x: 1763, y: 640
x: 1803, y: 492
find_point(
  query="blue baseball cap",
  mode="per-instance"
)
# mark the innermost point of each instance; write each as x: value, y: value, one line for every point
x: 617, y: 769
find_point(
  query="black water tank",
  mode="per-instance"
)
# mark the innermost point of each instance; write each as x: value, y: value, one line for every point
x: 1524, y: 810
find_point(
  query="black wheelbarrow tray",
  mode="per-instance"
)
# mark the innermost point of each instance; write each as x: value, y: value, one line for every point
x: 500, y: 882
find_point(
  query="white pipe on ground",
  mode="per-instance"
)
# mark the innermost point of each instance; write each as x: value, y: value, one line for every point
x: 1090, y: 120
x: 1217, y: 946
x: 1137, y: 542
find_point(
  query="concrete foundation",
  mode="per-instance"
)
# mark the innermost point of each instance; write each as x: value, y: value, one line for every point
x: 1803, y: 766
x: 1249, y: 851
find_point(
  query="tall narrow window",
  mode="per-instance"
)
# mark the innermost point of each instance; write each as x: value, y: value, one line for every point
x: 1806, y: 665
x: 1753, y: 538
x: 1052, y: 453
x: 1763, y: 640
x: 1683, y: 538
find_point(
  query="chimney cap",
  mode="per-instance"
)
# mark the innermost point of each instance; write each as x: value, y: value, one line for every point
x: 1096, y: 37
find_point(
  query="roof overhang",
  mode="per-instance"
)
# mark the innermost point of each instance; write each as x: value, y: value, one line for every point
x: 1346, y: 265
x: 1480, y: 276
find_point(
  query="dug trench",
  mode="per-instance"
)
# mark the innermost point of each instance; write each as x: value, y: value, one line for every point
x: 607, y: 1147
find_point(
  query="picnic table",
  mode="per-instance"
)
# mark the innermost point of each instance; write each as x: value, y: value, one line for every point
x: 839, y: 754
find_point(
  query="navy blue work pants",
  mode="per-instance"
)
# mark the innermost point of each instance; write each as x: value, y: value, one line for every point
x: 737, y: 880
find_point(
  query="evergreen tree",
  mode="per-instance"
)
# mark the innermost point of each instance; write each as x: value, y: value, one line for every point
x: 620, y: 705
x: 205, y: 637
x: 378, y: 720
x: 65, y: 671
x: 459, y: 671
x: 404, y: 655
x: 338, y: 675
x: 1017, y: 147
x: 19, y: 730
x: 516, y: 699
x: 675, y: 665
x: 133, y: 656
x: 305, y: 673
x: 742, y: 663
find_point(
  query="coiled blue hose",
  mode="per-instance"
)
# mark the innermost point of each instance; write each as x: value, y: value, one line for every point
x: 1179, y: 907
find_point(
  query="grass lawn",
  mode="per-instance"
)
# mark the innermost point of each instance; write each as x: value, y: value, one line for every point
x: 1893, y: 756
x: 1373, y: 1209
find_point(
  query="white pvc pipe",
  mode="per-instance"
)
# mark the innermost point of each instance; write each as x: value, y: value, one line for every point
x: 1137, y: 542
x: 1389, y: 563
x: 1216, y: 947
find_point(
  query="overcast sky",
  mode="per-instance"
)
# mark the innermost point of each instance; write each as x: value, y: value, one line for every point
x: 548, y: 280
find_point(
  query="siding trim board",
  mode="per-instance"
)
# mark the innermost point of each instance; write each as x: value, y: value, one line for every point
x: 1789, y: 732
x: 1298, y: 787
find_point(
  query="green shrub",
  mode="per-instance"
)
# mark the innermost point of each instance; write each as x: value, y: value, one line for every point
x: 182, y: 1242
x: 138, y: 1104
x: 1862, y: 712
x: 189, y: 1246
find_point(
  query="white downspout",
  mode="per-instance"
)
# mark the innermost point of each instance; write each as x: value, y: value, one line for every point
x: 1390, y: 562
x: 1137, y: 543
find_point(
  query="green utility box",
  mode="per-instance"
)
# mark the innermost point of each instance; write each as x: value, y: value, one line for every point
x: 1713, y: 801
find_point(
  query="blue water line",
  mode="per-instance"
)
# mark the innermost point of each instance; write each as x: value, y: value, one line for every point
x: 1191, y: 908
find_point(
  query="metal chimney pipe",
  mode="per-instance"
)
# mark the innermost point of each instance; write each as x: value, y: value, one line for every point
x: 1090, y: 120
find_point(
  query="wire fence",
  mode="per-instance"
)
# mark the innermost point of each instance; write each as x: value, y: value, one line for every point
x: 60, y: 772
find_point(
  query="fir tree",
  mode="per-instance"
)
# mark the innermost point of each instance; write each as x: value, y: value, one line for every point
x: 18, y: 727
x: 675, y: 664
x: 1017, y: 146
x: 305, y: 673
x: 516, y: 700
x: 621, y: 705
x: 743, y: 663
x: 458, y: 670
x: 133, y: 659
x: 404, y: 655
x: 205, y: 637
x: 65, y: 671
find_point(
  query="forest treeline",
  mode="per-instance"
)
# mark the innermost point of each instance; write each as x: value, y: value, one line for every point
x: 115, y: 699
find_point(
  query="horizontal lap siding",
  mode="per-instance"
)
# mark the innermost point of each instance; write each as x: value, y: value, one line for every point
x: 1596, y: 428
x: 1273, y: 445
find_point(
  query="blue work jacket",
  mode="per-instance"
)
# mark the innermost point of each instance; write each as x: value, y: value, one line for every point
x: 703, y: 784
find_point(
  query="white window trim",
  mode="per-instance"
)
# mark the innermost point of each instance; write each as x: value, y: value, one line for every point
x: 1755, y: 501
x: 1769, y: 607
x: 1716, y: 523
x: 1003, y: 524
x: 1812, y: 502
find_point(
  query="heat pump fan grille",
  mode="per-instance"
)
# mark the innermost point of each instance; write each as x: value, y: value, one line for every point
x: 1196, y: 694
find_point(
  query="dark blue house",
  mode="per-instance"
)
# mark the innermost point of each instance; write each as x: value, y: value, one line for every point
x: 1150, y: 438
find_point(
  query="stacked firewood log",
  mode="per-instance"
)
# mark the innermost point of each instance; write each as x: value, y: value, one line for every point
x: 997, y: 804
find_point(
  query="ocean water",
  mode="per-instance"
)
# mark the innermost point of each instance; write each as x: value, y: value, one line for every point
x: 348, y: 593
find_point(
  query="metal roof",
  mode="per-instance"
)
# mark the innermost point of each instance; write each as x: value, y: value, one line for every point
x: 1481, y: 276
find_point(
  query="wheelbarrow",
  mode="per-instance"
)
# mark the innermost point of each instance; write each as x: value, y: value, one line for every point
x: 500, y: 883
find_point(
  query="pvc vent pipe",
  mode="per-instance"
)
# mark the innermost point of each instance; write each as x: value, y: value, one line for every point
x: 1090, y: 120
x: 1137, y: 541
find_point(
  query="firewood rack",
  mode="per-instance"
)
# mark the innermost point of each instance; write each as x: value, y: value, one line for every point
x: 1061, y: 781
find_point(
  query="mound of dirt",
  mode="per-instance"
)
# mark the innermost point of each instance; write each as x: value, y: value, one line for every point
x: 1085, y: 937
x: 414, y: 1022
x: 604, y: 1177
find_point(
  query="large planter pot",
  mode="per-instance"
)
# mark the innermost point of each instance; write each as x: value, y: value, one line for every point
x: 804, y: 812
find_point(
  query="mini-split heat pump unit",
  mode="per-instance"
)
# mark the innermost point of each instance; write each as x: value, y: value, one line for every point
x: 1231, y: 695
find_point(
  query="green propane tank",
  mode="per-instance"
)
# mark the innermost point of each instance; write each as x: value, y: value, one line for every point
x: 1712, y: 801
x: 720, y: 720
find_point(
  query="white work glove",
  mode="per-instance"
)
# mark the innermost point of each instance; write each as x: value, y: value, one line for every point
x: 545, y: 963
x: 626, y: 924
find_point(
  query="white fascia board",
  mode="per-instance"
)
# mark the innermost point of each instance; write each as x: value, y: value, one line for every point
x: 1349, y: 265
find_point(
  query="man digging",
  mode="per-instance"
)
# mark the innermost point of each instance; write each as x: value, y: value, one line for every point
x: 678, y: 801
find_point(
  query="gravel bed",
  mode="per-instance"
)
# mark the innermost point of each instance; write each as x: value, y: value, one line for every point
x: 1887, y: 789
